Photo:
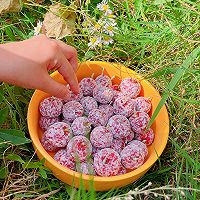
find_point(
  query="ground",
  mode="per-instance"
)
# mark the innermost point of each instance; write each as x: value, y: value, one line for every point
x: 154, y: 38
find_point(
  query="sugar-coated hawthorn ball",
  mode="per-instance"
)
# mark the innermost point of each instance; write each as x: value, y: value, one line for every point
x: 88, y: 103
x: 140, y: 146
x: 139, y: 121
x: 103, y: 80
x: 129, y: 137
x: 107, y: 162
x: 119, y: 126
x: 107, y: 109
x: 146, y: 137
x: 80, y: 148
x: 130, y: 87
x: 87, y: 85
x: 101, y: 137
x: 74, y: 97
x: 102, y: 94
x: 142, y: 104
x: 45, y: 122
x: 118, y: 144
x: 86, y: 167
x: 81, y: 126
x: 51, y: 107
x: 132, y: 157
x: 121, y: 171
x: 97, y: 118
x: 124, y: 106
x: 64, y: 159
x: 71, y: 110
x: 117, y: 94
x: 56, y: 136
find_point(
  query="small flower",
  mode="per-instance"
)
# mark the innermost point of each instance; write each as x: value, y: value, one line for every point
x: 94, y: 41
x: 107, y: 40
x: 38, y: 28
x: 103, y: 6
x: 109, y: 29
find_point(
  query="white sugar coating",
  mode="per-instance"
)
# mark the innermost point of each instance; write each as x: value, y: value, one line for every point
x: 80, y: 148
x: 81, y: 126
x: 122, y: 170
x: 118, y: 144
x: 102, y: 94
x: 139, y: 121
x: 103, y: 80
x: 132, y: 157
x: 71, y: 110
x: 117, y: 94
x: 107, y: 109
x: 119, y: 126
x: 51, y: 107
x: 45, y: 122
x: 56, y: 136
x: 74, y: 97
x: 97, y: 118
x: 129, y: 137
x: 64, y: 159
x: 146, y: 137
x: 142, y: 104
x: 124, y: 106
x: 87, y: 85
x: 88, y: 103
x: 101, y: 137
x: 130, y: 87
x: 86, y: 167
x: 107, y: 162
x: 140, y: 146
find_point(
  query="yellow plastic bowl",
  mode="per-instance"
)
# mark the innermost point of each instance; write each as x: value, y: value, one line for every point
x: 160, y: 127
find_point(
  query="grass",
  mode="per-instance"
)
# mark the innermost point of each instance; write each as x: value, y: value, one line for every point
x: 154, y: 40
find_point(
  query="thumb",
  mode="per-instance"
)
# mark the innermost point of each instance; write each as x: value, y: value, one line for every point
x: 55, y: 88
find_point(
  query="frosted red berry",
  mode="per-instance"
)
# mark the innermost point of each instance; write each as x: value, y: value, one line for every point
x: 132, y: 157
x: 129, y: 137
x: 87, y: 85
x: 121, y: 171
x: 88, y: 103
x: 102, y: 94
x: 101, y: 137
x: 107, y: 109
x: 140, y: 146
x: 97, y: 118
x: 118, y: 144
x: 103, y: 80
x: 80, y: 148
x: 139, y: 121
x: 142, y: 104
x: 56, y: 136
x: 107, y: 162
x: 64, y: 159
x: 45, y: 122
x: 124, y: 106
x: 119, y: 126
x: 130, y: 87
x: 146, y: 137
x: 51, y: 107
x: 81, y: 126
x: 72, y: 110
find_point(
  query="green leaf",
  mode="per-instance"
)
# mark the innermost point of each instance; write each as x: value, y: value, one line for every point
x: 43, y: 173
x: 177, y: 76
x: 3, y: 115
x: 15, y: 157
x: 3, y: 172
x: 16, y: 137
x: 1, y: 96
x: 34, y: 165
x: 9, y: 33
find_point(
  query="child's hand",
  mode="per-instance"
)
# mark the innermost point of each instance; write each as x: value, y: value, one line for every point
x: 26, y: 64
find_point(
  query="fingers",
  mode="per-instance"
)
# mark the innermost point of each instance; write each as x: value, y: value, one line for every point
x: 70, y: 53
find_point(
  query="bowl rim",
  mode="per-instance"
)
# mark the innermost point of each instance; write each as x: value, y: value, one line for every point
x: 48, y: 158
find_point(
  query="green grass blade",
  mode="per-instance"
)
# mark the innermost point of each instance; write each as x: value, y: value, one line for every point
x: 177, y: 76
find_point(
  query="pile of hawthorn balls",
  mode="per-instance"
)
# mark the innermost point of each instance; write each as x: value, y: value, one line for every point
x: 100, y: 131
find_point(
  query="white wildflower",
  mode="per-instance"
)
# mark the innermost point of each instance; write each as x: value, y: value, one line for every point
x: 38, y: 28
x: 109, y: 29
x: 107, y: 40
x: 103, y: 6
x: 94, y: 41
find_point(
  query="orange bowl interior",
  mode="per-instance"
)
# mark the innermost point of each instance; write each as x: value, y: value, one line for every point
x: 160, y: 127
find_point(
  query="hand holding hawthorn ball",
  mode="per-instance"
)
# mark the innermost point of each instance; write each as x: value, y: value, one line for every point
x: 26, y: 64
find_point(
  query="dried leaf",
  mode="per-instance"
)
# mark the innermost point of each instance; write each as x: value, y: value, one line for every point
x: 59, y: 21
x: 10, y: 6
